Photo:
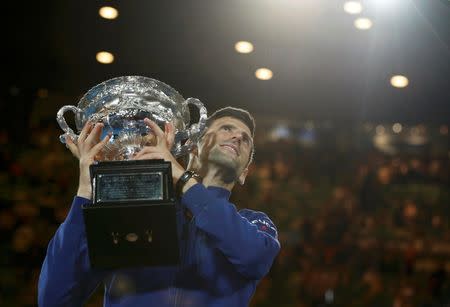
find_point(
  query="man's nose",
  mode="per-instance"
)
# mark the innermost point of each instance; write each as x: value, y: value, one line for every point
x: 237, y: 135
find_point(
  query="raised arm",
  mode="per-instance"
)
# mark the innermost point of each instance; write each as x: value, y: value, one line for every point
x: 248, y: 239
x: 249, y: 246
x: 66, y: 278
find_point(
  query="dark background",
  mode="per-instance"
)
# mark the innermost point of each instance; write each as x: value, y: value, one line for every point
x: 323, y: 66
x: 362, y: 211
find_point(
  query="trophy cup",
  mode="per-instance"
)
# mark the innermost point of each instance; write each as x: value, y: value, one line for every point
x: 132, y: 218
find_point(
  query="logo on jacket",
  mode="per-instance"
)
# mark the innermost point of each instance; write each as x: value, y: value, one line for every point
x: 265, y: 226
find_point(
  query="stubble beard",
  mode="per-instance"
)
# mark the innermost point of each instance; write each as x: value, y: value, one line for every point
x: 228, y: 166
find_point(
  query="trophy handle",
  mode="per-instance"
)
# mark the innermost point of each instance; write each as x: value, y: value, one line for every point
x: 193, y: 133
x: 62, y: 122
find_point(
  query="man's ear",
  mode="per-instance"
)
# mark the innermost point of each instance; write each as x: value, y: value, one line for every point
x: 242, y: 176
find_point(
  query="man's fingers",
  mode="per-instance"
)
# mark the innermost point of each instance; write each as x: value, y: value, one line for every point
x: 96, y: 149
x: 209, y: 140
x: 150, y: 156
x: 146, y: 150
x: 155, y: 128
x: 170, y: 135
x: 94, y: 136
x: 86, y: 130
x: 68, y: 139
x: 72, y: 146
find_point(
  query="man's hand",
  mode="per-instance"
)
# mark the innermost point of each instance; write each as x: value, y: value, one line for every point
x: 87, y: 147
x: 164, y: 142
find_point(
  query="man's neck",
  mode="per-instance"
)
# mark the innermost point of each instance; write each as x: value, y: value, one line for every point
x: 213, y: 176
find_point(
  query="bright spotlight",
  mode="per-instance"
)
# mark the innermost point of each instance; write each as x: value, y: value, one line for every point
x: 105, y: 57
x: 399, y: 81
x: 243, y: 47
x: 352, y: 7
x: 363, y: 23
x: 108, y: 12
x: 263, y: 74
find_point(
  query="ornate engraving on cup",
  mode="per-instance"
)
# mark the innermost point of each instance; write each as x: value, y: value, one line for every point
x: 122, y: 103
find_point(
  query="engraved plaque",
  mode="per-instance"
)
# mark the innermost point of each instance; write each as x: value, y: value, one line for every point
x: 129, y: 186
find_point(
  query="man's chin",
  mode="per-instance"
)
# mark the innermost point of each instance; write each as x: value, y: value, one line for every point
x: 226, y: 163
x: 229, y: 165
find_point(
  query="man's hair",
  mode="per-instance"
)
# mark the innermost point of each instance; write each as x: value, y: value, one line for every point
x: 240, y: 114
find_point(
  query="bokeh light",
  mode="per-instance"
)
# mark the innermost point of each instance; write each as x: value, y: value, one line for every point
x: 105, y: 57
x: 363, y: 23
x: 397, y: 127
x: 380, y: 129
x: 264, y: 74
x: 352, y: 7
x: 399, y: 81
x: 108, y: 12
x: 243, y: 47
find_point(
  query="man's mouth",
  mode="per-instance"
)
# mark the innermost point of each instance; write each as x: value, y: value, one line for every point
x: 231, y: 147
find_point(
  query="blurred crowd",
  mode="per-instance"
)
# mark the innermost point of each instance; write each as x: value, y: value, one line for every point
x: 357, y: 227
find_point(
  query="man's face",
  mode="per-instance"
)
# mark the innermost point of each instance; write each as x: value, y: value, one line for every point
x: 228, y: 144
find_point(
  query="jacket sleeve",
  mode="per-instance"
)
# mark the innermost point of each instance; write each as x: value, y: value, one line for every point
x: 248, y: 240
x: 66, y: 278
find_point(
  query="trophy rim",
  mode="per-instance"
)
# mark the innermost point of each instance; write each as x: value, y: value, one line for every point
x: 98, y: 95
x: 98, y: 91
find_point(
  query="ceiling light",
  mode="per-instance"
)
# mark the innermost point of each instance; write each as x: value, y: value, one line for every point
x: 399, y: 81
x: 105, y: 57
x: 397, y: 127
x: 108, y: 12
x: 363, y: 23
x: 263, y: 74
x: 243, y: 47
x: 352, y: 7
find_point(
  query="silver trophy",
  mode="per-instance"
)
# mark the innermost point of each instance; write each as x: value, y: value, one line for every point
x: 122, y: 103
x: 132, y: 218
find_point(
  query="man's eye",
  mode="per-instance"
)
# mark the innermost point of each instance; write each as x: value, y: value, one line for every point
x: 226, y: 128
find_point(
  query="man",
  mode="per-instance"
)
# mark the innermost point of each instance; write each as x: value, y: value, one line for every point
x: 224, y: 252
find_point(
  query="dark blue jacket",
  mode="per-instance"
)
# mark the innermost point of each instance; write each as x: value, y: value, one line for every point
x: 225, y: 254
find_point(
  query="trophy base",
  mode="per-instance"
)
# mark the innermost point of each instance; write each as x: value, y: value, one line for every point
x: 131, y: 236
x: 132, y: 219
